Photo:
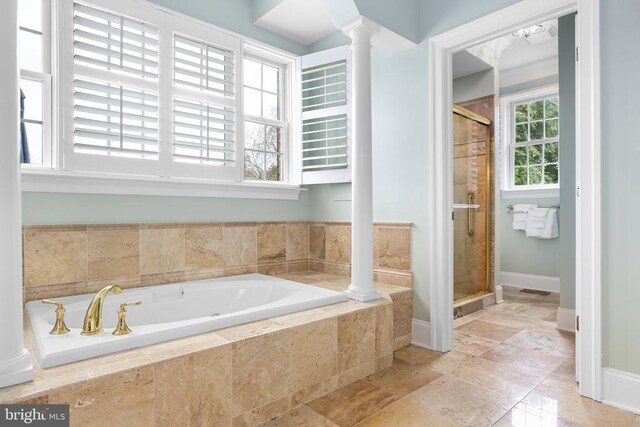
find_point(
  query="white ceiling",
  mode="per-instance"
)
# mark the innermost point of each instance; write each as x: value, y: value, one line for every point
x: 303, y: 21
x: 519, y: 53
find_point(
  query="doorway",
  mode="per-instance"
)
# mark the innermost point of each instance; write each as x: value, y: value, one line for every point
x: 588, y: 178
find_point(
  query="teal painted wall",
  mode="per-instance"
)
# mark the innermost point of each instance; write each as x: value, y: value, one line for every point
x: 520, y: 87
x: 518, y: 253
x: 399, y: 158
x: 550, y: 257
x: 620, y: 91
x: 438, y: 16
x: 401, y: 18
x: 57, y: 208
x: 473, y: 86
x: 567, y: 89
x: 400, y: 138
x: 261, y: 7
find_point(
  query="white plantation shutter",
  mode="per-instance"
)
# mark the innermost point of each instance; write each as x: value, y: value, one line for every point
x: 325, y: 103
x: 113, y: 74
x: 206, y: 136
x: 202, y: 133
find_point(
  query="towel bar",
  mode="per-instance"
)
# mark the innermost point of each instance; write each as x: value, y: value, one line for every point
x: 510, y: 207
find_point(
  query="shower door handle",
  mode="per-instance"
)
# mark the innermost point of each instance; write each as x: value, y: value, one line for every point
x: 470, y: 216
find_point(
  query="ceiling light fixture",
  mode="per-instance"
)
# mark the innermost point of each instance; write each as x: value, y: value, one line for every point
x: 529, y: 31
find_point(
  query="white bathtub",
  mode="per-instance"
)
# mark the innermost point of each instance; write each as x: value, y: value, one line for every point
x: 171, y: 311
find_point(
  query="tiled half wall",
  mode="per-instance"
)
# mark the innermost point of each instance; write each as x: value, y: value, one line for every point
x: 79, y: 259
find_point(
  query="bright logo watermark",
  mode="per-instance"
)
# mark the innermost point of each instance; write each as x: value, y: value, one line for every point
x: 34, y: 415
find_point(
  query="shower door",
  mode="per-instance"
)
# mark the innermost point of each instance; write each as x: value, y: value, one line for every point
x: 471, y: 191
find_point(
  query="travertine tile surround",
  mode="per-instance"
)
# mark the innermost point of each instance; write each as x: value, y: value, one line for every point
x: 239, y: 376
x: 78, y: 259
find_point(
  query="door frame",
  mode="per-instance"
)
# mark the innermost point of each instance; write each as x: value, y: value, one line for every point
x: 588, y: 171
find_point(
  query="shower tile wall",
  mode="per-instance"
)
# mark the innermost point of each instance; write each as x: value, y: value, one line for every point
x: 470, y: 177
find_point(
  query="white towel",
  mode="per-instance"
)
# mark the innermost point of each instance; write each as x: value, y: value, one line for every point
x: 520, y: 215
x: 542, y: 223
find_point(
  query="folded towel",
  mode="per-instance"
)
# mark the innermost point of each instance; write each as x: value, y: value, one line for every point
x: 542, y: 223
x: 520, y: 215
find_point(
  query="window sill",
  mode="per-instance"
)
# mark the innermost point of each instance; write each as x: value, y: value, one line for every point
x: 47, y: 181
x: 537, y: 193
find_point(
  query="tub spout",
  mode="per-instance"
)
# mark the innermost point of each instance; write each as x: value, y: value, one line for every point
x: 93, y: 319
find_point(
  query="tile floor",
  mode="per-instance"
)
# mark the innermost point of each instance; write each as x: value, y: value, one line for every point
x: 509, y: 367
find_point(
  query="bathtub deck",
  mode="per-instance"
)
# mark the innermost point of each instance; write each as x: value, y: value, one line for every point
x: 60, y: 383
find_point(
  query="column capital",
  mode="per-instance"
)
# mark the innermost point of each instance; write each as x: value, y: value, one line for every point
x: 360, y: 29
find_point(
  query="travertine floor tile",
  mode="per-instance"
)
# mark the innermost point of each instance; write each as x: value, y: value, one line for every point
x: 565, y: 372
x: 521, y: 416
x: 636, y: 422
x: 441, y: 362
x: 562, y: 399
x: 557, y: 343
x: 510, y: 382
x: 507, y: 319
x: 535, y: 360
x: 403, y: 378
x: 353, y: 403
x: 471, y: 344
x: 525, y: 310
x: 460, y: 402
x: 488, y: 330
x: 302, y: 416
x: 407, y: 414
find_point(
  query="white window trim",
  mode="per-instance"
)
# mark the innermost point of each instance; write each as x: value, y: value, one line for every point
x: 285, y: 66
x: 52, y: 178
x: 41, y: 181
x: 46, y: 77
x: 508, y: 190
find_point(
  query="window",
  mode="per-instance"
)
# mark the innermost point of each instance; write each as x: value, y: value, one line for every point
x: 142, y: 92
x: 325, y: 116
x: 533, y: 139
x: 35, y: 80
x: 266, y: 124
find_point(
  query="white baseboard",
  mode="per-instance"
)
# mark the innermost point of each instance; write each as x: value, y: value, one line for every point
x: 621, y: 389
x: 420, y: 333
x: 567, y: 319
x: 530, y: 281
x: 499, y: 294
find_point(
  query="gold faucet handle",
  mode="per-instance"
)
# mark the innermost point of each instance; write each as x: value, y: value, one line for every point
x: 59, y: 328
x: 48, y: 301
x: 124, y: 304
x: 122, y: 328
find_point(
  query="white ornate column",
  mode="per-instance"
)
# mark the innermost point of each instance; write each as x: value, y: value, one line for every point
x: 362, y: 287
x: 15, y: 362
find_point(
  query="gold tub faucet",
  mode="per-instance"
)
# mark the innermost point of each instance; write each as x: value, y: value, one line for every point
x: 93, y: 319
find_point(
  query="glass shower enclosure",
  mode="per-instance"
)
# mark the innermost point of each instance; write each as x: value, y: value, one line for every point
x: 471, y: 197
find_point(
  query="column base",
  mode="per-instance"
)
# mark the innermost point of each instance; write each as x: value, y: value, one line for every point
x: 358, y: 295
x: 18, y: 371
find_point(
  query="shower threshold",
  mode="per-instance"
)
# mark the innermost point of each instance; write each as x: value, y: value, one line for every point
x: 472, y: 303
